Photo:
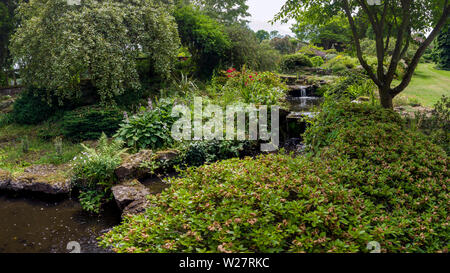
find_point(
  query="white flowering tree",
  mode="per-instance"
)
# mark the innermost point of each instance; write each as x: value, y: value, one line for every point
x: 58, y: 44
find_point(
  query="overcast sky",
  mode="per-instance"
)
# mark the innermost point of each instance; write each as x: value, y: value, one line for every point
x: 263, y: 11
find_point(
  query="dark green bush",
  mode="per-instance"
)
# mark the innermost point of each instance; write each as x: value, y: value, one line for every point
x: 338, y: 115
x: 197, y: 153
x: 350, y: 86
x: 370, y: 180
x: 31, y: 108
x: 317, y: 61
x: 88, y: 123
x: 293, y: 62
x: 437, y: 125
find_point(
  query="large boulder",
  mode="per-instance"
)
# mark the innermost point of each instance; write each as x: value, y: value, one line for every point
x: 134, y: 167
x: 131, y: 197
x: 47, y: 179
x: 131, y: 167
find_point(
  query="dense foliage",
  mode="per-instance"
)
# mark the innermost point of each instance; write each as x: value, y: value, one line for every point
x: 436, y: 125
x: 225, y: 11
x: 358, y: 188
x: 248, y: 86
x: 442, y: 51
x: 88, y: 123
x: 57, y: 45
x: 205, y: 38
x: 349, y: 86
x: 31, y: 108
x: 150, y: 128
x: 7, y: 25
x: 198, y: 153
x: 294, y: 62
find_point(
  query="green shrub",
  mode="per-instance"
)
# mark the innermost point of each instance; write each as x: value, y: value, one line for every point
x: 349, y: 87
x: 150, y: 128
x: 370, y: 180
x: 93, y: 172
x: 91, y: 201
x: 293, y: 62
x: 312, y: 51
x: 437, y: 125
x: 341, y: 63
x: 90, y: 122
x: 30, y: 108
x: 247, y: 86
x: 317, y: 61
x: 6, y: 119
x: 197, y: 153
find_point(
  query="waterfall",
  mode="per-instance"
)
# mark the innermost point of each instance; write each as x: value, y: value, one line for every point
x: 303, y: 91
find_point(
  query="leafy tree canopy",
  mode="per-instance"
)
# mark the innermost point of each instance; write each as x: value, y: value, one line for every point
x: 225, y: 11
x: 262, y: 35
x: 57, y: 45
x: 334, y: 31
x: 205, y: 37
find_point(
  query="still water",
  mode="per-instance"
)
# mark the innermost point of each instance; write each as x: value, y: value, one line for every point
x: 31, y: 225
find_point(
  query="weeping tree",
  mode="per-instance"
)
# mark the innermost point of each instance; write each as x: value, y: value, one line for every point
x: 57, y: 45
x: 387, y: 18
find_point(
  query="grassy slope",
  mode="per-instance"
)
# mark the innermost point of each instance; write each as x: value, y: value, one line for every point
x: 428, y: 85
x: 14, y: 159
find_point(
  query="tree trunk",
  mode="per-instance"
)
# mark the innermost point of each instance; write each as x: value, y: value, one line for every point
x: 386, y: 98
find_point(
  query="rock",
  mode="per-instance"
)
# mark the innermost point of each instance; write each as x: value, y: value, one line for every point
x: 39, y: 178
x: 131, y: 197
x: 166, y: 155
x: 131, y: 166
x: 5, y: 179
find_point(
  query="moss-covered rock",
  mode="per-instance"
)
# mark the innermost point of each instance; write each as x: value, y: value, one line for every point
x: 47, y: 179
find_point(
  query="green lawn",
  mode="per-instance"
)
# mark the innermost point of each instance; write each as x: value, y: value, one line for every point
x: 428, y: 85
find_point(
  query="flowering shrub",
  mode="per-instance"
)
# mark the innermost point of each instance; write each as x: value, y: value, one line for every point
x: 263, y: 88
x: 150, y: 128
x: 369, y: 181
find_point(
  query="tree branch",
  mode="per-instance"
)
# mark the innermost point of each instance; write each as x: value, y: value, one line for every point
x: 415, y: 61
x: 358, y: 44
x: 406, y: 5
